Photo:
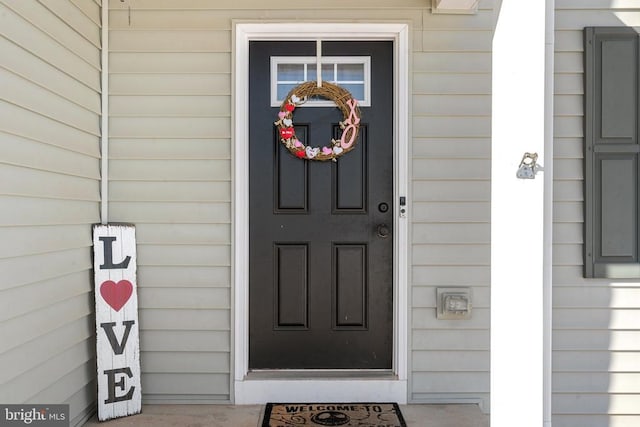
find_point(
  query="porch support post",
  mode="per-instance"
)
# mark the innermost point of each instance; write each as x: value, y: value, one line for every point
x: 521, y: 215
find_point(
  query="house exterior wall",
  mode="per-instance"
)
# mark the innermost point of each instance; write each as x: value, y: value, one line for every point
x: 450, y: 210
x: 596, y: 326
x: 49, y: 193
x: 170, y: 174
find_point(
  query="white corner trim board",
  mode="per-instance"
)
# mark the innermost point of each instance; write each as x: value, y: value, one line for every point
x: 104, y: 114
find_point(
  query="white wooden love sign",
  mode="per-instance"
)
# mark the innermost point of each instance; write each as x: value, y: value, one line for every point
x: 118, y: 348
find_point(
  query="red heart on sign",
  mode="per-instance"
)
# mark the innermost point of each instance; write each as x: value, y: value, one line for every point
x: 116, y: 294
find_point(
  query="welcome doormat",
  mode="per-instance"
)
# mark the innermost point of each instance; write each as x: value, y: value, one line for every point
x: 333, y: 414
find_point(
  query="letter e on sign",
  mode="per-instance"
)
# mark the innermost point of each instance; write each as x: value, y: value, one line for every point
x: 117, y: 335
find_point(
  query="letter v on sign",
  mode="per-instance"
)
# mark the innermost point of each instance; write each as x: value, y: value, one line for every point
x: 118, y: 347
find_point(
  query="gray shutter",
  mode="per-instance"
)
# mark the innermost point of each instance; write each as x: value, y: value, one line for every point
x: 611, y: 153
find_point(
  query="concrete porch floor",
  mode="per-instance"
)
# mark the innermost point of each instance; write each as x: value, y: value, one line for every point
x: 251, y: 416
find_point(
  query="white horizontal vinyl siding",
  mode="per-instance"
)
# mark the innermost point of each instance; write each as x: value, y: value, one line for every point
x: 49, y: 193
x: 596, y: 331
x: 451, y: 81
x: 170, y: 174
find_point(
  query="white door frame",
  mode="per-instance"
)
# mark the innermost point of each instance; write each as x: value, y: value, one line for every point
x: 246, y: 389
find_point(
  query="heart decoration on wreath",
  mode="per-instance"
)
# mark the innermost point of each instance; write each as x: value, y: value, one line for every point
x: 350, y: 123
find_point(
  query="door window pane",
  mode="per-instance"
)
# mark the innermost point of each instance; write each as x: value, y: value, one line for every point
x: 351, y: 73
x: 283, y: 90
x: 291, y: 72
x: 328, y: 73
x: 356, y: 89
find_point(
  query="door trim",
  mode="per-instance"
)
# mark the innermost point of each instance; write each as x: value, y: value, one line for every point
x: 247, y: 390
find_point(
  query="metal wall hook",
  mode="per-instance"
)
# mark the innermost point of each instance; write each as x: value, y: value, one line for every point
x: 528, y: 166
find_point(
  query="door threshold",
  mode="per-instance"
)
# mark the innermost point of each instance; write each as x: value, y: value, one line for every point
x: 315, y: 374
x: 259, y: 387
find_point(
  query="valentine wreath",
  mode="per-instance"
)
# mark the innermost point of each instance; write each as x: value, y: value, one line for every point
x: 349, y: 125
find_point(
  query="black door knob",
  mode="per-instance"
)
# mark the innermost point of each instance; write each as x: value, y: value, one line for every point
x: 383, y: 231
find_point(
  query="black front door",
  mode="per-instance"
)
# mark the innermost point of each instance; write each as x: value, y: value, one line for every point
x: 321, y: 235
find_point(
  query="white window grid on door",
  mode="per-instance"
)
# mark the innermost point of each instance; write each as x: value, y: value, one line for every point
x: 333, y: 70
